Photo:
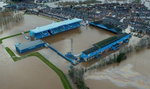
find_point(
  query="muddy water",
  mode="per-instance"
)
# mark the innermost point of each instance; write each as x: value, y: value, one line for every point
x: 29, y: 73
x: 30, y: 22
x: 132, y: 73
x: 83, y: 38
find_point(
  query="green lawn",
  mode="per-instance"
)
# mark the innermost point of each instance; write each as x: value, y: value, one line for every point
x: 61, y: 75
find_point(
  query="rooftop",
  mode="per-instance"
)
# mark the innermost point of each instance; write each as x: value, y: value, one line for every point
x: 108, y: 41
x: 103, y: 43
x: 109, y: 23
x: 54, y: 25
x: 29, y: 44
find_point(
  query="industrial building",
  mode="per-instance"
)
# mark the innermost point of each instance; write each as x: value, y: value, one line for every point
x: 112, y: 43
x: 54, y: 28
x: 29, y: 46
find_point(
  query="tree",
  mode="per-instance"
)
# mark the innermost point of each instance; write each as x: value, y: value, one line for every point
x: 121, y: 57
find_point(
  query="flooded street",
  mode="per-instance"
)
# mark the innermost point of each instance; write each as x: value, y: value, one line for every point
x: 132, y: 73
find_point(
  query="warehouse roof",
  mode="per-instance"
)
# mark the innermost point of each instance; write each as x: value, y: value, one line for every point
x: 55, y: 25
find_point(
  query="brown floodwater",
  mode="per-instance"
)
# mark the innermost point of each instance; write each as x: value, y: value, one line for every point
x: 30, y: 22
x: 132, y: 73
x: 83, y: 38
x: 29, y: 73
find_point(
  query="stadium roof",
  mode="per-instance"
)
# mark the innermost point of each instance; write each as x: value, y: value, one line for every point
x: 54, y: 25
x: 108, y: 41
x: 103, y: 43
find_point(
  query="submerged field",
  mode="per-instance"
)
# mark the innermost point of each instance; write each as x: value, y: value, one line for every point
x: 29, y: 73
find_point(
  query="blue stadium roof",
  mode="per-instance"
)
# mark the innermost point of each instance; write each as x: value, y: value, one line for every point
x: 55, y: 25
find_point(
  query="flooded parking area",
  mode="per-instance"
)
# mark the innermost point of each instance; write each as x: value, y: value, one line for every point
x: 132, y: 73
